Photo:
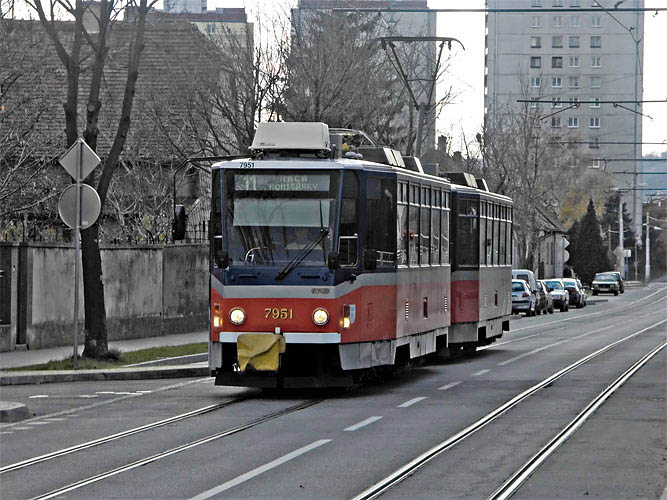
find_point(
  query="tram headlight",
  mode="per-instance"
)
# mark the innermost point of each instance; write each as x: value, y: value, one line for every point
x: 217, y: 319
x: 237, y: 316
x: 320, y: 316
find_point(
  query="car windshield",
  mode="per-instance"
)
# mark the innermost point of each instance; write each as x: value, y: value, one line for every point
x: 605, y: 277
x: 553, y: 285
x: 272, y: 215
x: 517, y: 286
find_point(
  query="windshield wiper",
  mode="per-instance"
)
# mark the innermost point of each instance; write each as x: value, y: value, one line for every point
x: 302, y: 255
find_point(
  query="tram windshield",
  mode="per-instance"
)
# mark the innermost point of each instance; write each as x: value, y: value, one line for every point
x: 273, y: 215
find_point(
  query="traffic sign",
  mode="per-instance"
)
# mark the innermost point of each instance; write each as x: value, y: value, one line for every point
x: 88, y: 159
x: 90, y: 206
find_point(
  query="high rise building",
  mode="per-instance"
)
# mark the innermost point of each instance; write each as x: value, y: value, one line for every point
x: 395, y: 18
x: 584, y: 59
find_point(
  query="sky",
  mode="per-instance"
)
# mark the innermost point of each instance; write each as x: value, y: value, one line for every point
x: 466, y: 74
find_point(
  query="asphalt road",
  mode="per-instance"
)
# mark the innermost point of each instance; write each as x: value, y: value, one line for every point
x: 336, y: 445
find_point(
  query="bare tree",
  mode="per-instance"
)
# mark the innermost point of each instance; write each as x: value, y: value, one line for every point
x: 74, y: 50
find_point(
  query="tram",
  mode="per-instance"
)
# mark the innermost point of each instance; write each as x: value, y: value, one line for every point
x: 328, y: 260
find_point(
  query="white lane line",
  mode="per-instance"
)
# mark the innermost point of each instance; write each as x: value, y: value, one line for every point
x: 448, y: 386
x: 54, y: 419
x: 39, y: 423
x: 363, y: 423
x: 260, y: 470
x: 411, y: 402
x: 39, y: 396
x: 481, y: 372
x: 22, y: 428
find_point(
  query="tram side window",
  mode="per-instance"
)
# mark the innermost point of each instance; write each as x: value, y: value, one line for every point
x: 435, y: 227
x: 509, y: 237
x: 402, y: 225
x: 413, y: 233
x: 444, y: 231
x: 503, y: 238
x: 348, y: 240
x: 380, y: 245
x: 482, y: 234
x: 467, y: 235
x: 496, y: 235
x: 425, y: 235
x: 489, y: 234
x: 215, y: 228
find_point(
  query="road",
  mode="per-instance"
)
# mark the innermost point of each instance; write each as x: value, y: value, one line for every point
x: 450, y: 429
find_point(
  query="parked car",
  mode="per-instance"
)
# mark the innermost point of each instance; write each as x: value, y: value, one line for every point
x: 584, y: 295
x: 560, y: 296
x: 523, y: 299
x: 606, y: 283
x: 545, y: 304
x: 577, y: 294
x: 526, y: 275
x: 621, y: 283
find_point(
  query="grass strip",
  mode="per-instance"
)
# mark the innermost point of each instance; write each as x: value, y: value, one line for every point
x: 119, y: 359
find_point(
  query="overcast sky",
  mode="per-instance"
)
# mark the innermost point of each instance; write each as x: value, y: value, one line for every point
x: 466, y: 74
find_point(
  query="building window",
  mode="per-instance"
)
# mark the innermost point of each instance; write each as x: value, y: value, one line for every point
x: 575, y: 42
x: 533, y: 102
x: 536, y: 3
x: 557, y: 42
x: 573, y: 101
x: 594, y: 143
x: 537, y: 22
x: 573, y: 122
x: 596, y: 81
x: 575, y: 3
x: 596, y: 22
x: 557, y: 62
x: 574, y: 22
x: 596, y: 62
x: 573, y: 82
x: 557, y: 21
x: 536, y: 62
x: 557, y: 102
x: 595, y: 163
x: 210, y: 28
x: 596, y: 42
x: 535, y: 81
x: 557, y: 3
x: 535, y: 42
x: 556, y: 122
x: 556, y: 82
x: 594, y: 122
x: 574, y: 61
x: 594, y: 102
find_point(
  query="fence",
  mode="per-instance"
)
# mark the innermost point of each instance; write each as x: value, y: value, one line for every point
x: 149, y: 291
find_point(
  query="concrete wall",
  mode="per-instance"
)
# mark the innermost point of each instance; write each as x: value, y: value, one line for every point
x: 148, y: 290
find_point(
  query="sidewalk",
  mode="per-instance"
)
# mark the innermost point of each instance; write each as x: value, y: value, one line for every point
x: 16, y: 359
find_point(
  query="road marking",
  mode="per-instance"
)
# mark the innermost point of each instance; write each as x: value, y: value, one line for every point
x: 481, y: 372
x: 363, y: 423
x: 22, y: 428
x: 39, y: 423
x: 105, y: 392
x: 6, y: 432
x: 260, y: 470
x: 88, y: 395
x: 39, y: 396
x: 448, y: 386
x: 54, y: 419
x: 411, y: 402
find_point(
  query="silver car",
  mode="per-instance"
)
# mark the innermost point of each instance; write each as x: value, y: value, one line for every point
x: 560, y: 296
x: 523, y: 300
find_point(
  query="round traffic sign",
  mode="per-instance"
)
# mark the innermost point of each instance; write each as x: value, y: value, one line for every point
x: 90, y: 206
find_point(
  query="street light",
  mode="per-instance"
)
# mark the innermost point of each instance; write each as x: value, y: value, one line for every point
x: 647, y: 268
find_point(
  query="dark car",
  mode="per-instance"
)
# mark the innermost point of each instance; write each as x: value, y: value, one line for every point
x: 606, y: 283
x: 577, y: 294
x: 545, y: 304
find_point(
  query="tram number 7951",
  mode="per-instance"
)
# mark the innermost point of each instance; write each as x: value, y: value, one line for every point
x: 275, y: 313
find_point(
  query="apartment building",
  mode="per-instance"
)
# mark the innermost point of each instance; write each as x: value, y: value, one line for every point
x: 575, y: 56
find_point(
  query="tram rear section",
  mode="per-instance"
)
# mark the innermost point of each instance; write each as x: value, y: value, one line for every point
x: 325, y: 263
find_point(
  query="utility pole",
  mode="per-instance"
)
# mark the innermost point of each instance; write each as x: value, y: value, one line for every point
x: 647, y: 268
x: 621, y: 252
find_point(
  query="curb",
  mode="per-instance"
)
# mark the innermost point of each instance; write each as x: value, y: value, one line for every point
x: 55, y: 376
x: 13, y: 412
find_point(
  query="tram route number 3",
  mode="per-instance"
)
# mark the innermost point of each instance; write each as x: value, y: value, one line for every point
x: 275, y: 313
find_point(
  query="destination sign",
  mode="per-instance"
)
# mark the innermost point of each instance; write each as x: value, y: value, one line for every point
x: 288, y: 182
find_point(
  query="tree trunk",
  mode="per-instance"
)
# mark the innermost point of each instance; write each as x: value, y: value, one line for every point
x: 96, y: 344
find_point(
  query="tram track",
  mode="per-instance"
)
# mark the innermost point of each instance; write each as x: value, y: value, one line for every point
x: 514, y: 482
x: 178, y: 449
x: 421, y: 460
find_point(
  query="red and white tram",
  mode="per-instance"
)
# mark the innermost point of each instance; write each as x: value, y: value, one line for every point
x: 324, y: 265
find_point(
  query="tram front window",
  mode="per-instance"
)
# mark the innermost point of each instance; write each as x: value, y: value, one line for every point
x: 274, y: 216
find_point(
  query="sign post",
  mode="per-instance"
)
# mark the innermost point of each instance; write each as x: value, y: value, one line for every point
x: 79, y: 161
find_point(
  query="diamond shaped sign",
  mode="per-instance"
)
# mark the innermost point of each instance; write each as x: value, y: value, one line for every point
x: 79, y: 156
